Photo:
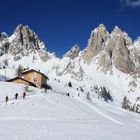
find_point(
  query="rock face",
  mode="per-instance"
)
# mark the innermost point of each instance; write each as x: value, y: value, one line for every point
x: 26, y: 37
x: 3, y: 43
x: 23, y: 42
x: 73, y: 52
x: 23, y: 39
x: 109, y: 49
x: 96, y: 42
x: 135, y: 52
x: 3, y: 37
x: 118, y: 32
x: 121, y: 56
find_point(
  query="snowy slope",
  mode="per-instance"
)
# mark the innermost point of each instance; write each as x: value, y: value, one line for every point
x: 53, y: 116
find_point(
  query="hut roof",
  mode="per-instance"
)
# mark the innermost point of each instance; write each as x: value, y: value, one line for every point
x: 32, y: 70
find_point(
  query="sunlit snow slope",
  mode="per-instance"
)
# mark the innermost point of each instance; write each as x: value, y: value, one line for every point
x: 54, y: 116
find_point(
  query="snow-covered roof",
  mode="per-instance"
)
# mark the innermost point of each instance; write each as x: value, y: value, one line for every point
x: 32, y: 70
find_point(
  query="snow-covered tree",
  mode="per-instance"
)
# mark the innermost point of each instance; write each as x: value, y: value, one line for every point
x: 126, y: 103
x: 19, y: 71
x: 105, y: 94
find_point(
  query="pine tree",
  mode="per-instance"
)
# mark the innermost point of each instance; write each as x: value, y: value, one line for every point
x: 106, y: 94
x: 19, y: 71
x: 70, y: 84
x: 125, y: 103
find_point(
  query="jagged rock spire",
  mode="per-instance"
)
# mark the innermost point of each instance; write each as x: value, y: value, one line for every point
x: 96, y: 42
x: 117, y: 30
x: 23, y: 42
x: 73, y: 52
x: 112, y: 49
x: 26, y: 36
x: 121, y: 56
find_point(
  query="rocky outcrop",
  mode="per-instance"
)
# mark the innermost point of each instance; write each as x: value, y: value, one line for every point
x: 96, y: 42
x: 26, y: 37
x: 23, y: 42
x: 135, y: 52
x: 4, y: 44
x: 3, y: 37
x: 73, y: 52
x: 110, y: 49
x: 118, y: 32
x: 121, y: 56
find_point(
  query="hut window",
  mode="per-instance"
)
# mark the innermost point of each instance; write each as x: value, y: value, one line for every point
x: 35, y: 79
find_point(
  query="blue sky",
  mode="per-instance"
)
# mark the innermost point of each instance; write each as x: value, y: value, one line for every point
x: 62, y: 23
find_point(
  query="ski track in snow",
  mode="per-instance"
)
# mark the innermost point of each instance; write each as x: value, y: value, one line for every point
x: 114, y: 111
x: 101, y: 113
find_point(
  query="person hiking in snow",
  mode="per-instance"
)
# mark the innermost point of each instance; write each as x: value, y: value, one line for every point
x: 24, y: 94
x: 16, y: 96
x: 6, y: 99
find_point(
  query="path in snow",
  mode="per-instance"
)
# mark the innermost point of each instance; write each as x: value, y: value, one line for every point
x: 97, y: 110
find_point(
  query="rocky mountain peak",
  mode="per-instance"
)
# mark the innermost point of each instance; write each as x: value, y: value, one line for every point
x: 26, y: 37
x: 117, y: 30
x: 3, y: 39
x: 110, y: 49
x: 96, y: 42
x: 101, y: 29
x: 73, y: 52
x: 3, y: 43
x: 102, y: 26
x: 3, y: 35
x: 23, y: 42
x: 19, y: 28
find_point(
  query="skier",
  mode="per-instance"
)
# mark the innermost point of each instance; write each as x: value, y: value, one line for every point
x: 16, y: 96
x: 24, y: 94
x: 6, y: 99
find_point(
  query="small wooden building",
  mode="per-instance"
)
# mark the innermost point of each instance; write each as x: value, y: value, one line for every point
x: 31, y: 77
x: 21, y: 81
x: 35, y: 77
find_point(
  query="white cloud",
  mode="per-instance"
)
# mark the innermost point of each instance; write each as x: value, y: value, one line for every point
x: 130, y: 3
